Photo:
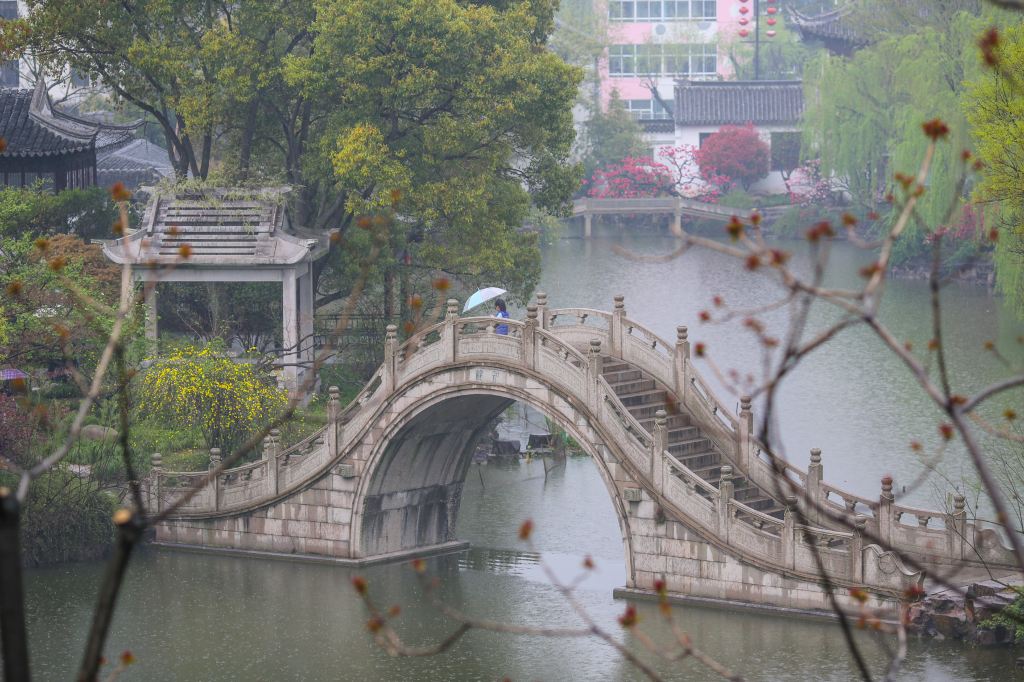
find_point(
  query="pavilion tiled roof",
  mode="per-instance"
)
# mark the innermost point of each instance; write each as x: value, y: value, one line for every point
x: 137, y: 163
x: 739, y: 102
x: 32, y: 128
x: 220, y: 227
x: 834, y: 26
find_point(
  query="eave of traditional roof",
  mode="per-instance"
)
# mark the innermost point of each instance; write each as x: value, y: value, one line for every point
x: 738, y: 102
x: 833, y: 25
x: 220, y: 228
x: 32, y: 128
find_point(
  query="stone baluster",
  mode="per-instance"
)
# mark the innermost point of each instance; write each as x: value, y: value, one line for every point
x: 726, y: 491
x: 885, y: 512
x: 789, y: 533
x: 860, y: 523
x: 681, y: 362
x: 815, y: 474
x: 155, y: 485
x: 542, y: 310
x: 334, y: 425
x: 271, y: 449
x: 215, y: 483
x: 594, y: 370
x: 530, y: 337
x: 744, y: 427
x: 390, y: 355
x: 956, y: 527
x: 448, y: 336
x: 618, y: 316
x: 660, y: 442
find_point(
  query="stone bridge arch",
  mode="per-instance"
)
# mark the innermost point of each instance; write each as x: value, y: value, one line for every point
x: 384, y: 476
x: 410, y: 489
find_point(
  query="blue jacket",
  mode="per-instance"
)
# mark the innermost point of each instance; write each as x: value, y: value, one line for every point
x: 501, y: 328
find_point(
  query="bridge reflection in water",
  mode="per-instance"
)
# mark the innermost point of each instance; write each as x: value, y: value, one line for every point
x: 700, y: 503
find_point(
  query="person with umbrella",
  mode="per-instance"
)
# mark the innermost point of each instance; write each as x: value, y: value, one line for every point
x: 500, y: 309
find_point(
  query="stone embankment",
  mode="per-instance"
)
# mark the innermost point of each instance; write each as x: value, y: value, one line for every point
x: 970, y: 613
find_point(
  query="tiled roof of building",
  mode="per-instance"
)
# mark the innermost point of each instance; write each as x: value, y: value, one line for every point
x: 832, y: 27
x: 32, y: 128
x: 739, y: 102
x: 140, y: 162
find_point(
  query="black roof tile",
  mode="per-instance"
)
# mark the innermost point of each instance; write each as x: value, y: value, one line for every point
x: 739, y: 102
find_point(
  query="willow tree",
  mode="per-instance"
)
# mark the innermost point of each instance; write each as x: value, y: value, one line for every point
x: 453, y: 114
x: 994, y: 104
x: 864, y: 115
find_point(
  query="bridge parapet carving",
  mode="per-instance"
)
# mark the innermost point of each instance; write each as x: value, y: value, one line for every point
x: 567, y: 349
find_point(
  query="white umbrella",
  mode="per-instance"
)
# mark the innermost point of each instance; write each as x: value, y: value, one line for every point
x: 482, y: 296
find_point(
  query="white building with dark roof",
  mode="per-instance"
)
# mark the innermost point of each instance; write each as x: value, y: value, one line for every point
x: 774, y: 108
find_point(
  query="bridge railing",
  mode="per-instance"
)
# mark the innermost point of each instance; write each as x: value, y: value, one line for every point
x: 944, y: 537
x: 541, y: 345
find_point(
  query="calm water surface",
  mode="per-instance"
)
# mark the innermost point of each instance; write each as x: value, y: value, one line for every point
x: 204, y: 617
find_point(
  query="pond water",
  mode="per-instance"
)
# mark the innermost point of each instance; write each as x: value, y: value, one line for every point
x: 207, y: 617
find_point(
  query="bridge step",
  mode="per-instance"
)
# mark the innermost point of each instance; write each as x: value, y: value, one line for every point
x: 643, y: 396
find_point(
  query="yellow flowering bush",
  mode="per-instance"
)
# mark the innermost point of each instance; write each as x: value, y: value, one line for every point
x: 199, y: 387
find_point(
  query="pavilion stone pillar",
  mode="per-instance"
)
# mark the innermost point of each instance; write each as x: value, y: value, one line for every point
x: 306, y: 311
x: 152, y: 329
x: 289, y: 329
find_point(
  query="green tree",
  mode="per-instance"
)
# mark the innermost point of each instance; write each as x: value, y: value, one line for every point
x: 610, y: 136
x: 994, y: 104
x: 87, y: 213
x: 864, y: 115
x: 453, y: 113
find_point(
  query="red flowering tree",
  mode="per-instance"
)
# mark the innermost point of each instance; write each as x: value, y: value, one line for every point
x: 737, y: 152
x: 691, y: 181
x: 632, y: 178
x: 807, y: 187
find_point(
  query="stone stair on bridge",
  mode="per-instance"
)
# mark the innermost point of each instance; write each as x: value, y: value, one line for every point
x: 643, y: 396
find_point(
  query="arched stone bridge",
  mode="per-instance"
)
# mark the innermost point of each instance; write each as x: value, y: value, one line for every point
x: 698, y: 499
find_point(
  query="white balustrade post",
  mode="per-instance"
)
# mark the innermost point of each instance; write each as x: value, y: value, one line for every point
x: 215, y: 483
x: 956, y: 527
x: 745, y: 425
x: 815, y: 474
x: 390, y: 348
x: 271, y: 449
x: 789, y: 533
x: 681, y: 362
x: 885, y: 512
x: 542, y: 310
x: 860, y: 523
x: 726, y: 492
x: 333, y: 422
x: 594, y: 371
x: 530, y: 337
x: 448, y: 336
x: 658, y: 450
x: 618, y: 317
x: 155, y: 492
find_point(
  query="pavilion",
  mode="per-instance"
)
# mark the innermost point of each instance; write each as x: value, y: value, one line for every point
x: 227, y: 235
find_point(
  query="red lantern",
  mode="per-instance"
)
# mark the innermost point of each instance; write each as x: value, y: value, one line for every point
x: 744, y: 33
x: 744, y: 10
x: 771, y: 21
x: 744, y: 21
x: 770, y: 34
x: 772, y: 10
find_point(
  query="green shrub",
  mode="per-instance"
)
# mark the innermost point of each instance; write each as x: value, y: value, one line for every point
x: 66, y: 518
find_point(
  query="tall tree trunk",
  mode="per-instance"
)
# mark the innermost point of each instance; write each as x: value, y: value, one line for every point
x: 248, y: 133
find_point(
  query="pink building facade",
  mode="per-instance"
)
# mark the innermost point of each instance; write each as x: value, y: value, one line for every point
x: 652, y: 43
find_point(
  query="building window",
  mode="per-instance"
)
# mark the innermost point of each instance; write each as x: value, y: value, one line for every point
x: 662, y: 10
x: 647, y: 109
x: 785, y: 151
x: 704, y: 9
x: 8, y: 9
x: 621, y: 9
x: 676, y: 59
x: 621, y: 60
x: 701, y: 138
x: 648, y: 9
